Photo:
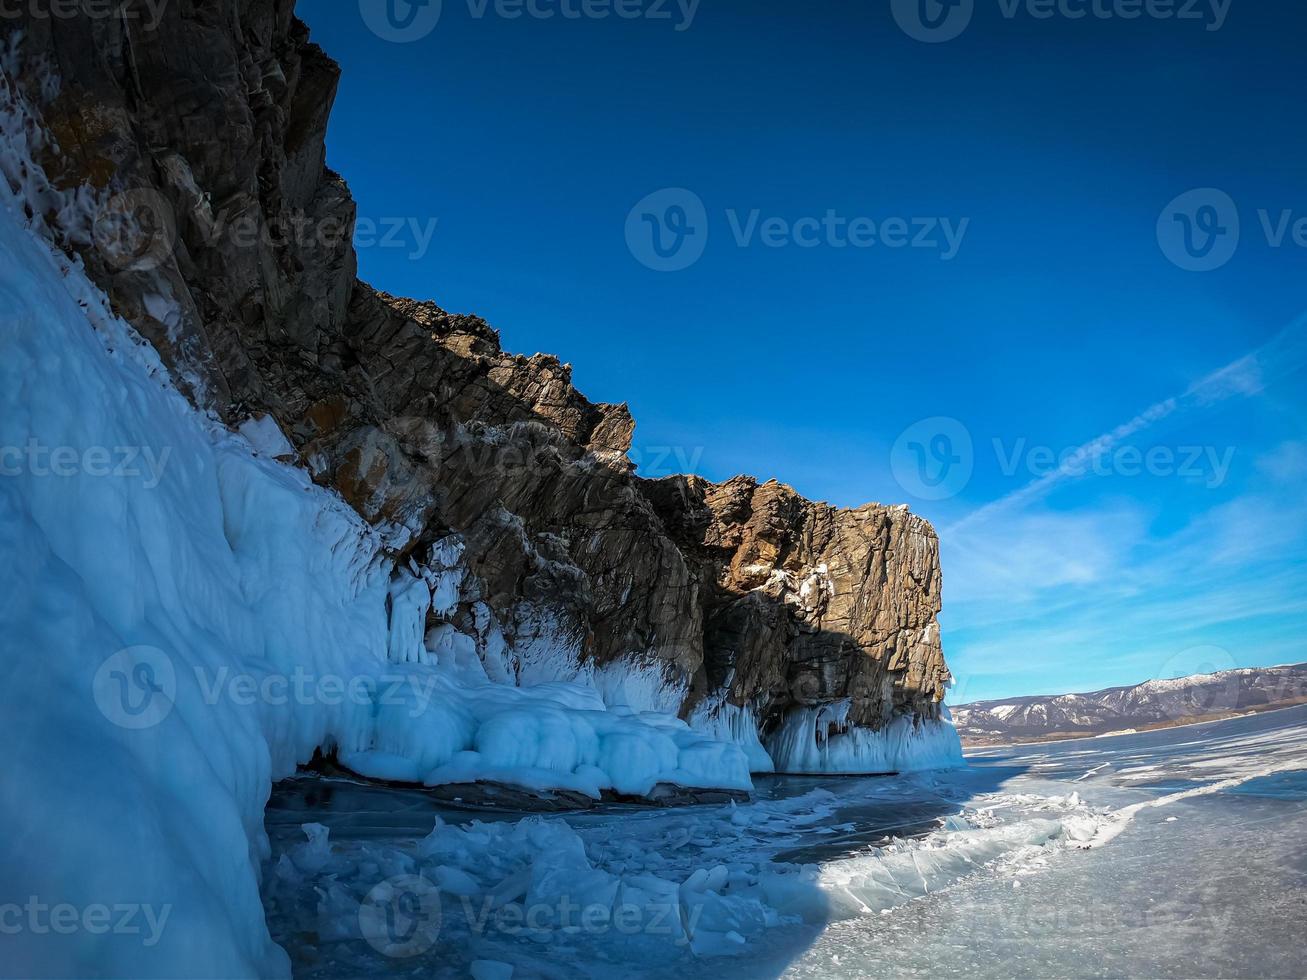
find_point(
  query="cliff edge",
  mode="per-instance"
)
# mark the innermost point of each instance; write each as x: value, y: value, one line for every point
x: 226, y: 242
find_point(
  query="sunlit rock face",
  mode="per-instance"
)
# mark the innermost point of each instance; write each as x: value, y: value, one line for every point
x: 807, y: 604
x: 207, y: 129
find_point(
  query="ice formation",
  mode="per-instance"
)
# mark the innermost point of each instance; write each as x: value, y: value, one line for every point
x: 657, y: 891
x: 732, y: 723
x: 821, y: 740
x: 664, y: 893
x: 187, y: 618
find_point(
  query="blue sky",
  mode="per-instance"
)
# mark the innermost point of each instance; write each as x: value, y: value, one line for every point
x: 1042, y: 165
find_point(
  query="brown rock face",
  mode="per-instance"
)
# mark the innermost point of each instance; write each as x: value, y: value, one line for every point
x: 245, y: 280
x: 806, y: 604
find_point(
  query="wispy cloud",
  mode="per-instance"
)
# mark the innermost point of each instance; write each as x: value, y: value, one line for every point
x: 1248, y: 375
x: 1033, y: 551
x: 1114, y: 589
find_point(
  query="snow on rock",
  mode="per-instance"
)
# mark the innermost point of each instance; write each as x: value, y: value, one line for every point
x: 820, y: 739
x: 124, y: 605
x: 262, y: 432
x: 446, y: 574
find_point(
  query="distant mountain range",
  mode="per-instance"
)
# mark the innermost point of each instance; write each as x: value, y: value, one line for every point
x: 1152, y: 704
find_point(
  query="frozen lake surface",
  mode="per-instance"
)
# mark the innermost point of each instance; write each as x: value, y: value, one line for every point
x: 1173, y: 853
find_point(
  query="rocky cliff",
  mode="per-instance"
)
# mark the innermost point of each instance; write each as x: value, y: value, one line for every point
x: 219, y: 232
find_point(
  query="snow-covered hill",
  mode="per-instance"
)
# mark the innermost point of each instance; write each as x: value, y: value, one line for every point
x: 1154, y: 703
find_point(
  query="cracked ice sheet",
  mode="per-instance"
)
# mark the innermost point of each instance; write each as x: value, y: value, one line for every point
x: 676, y: 889
x: 1204, y: 881
x: 1001, y: 884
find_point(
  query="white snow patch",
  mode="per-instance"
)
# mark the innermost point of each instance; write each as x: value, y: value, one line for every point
x: 1111, y: 827
x: 263, y: 434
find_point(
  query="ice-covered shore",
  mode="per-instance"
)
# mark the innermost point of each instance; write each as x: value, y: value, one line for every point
x: 180, y: 634
x: 187, y: 618
x: 1046, y: 861
x: 820, y: 740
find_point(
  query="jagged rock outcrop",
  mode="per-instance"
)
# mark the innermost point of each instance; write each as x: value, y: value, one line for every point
x: 220, y: 233
x: 805, y: 603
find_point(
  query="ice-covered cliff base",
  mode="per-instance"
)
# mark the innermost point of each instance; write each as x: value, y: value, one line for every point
x: 186, y: 619
x: 820, y: 740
